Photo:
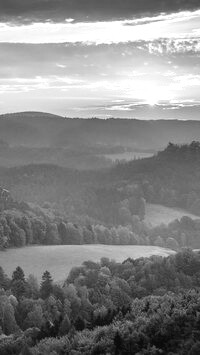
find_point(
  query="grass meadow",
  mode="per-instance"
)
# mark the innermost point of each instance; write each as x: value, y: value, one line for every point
x: 60, y: 259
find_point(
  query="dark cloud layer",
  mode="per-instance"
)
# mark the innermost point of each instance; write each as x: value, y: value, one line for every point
x: 23, y: 11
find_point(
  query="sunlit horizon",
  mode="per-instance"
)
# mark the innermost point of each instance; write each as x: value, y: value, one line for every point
x: 142, y: 67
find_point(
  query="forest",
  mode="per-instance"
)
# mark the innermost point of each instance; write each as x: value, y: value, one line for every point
x: 170, y: 178
x: 107, y: 207
x: 143, y: 306
x: 24, y: 224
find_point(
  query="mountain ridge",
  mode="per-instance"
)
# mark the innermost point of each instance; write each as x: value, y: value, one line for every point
x: 45, y: 113
x: 40, y: 129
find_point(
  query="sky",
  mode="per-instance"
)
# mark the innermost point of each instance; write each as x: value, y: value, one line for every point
x: 91, y: 58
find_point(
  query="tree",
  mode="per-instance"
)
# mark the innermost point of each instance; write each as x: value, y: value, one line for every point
x: 124, y: 235
x: 159, y: 242
x: 52, y: 235
x: 18, y: 274
x: 3, y: 238
x: 124, y: 216
x: 17, y: 236
x: 171, y: 243
x: 133, y: 204
x: 118, y: 343
x: 4, y: 280
x: 18, y: 283
x: 79, y: 323
x: 26, y: 350
x: 27, y: 227
x: 65, y: 325
x: 75, y: 301
x: 39, y: 230
x: 35, y: 318
x: 63, y: 233
x: 187, y: 223
x: 141, y: 209
x: 32, y: 290
x: 88, y: 236
x: 195, y: 350
x: 100, y: 233
x: 7, y: 316
x: 46, y: 287
x: 70, y: 234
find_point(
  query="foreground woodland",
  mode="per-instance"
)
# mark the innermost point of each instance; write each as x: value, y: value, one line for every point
x: 143, y: 306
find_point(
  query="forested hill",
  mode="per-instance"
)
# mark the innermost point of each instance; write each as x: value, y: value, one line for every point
x: 74, y: 207
x: 189, y: 153
x: 171, y: 178
x: 38, y: 129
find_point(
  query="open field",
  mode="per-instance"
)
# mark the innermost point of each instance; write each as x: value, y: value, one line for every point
x: 60, y: 259
x: 127, y: 156
x: 157, y: 214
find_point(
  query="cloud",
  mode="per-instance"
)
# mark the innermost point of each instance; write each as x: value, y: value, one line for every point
x: 188, y: 80
x: 174, y: 46
x: 112, y: 79
x: 38, y: 83
x: 165, y: 110
x: 26, y: 11
x: 177, y: 26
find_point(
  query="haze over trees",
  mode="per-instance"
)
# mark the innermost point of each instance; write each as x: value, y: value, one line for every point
x: 38, y: 129
x: 42, y: 138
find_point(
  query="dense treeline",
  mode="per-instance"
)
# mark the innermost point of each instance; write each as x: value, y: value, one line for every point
x: 143, y: 306
x: 108, y: 207
x: 31, y: 224
x: 41, y: 226
x: 170, y: 178
x: 74, y: 193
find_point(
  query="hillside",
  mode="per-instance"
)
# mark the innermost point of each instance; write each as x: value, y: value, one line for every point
x: 37, y: 129
x: 111, y: 206
x: 32, y: 129
x: 170, y: 178
x: 85, y: 144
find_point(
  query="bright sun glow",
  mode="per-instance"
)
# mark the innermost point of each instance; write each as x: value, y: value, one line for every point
x: 152, y: 100
x: 154, y: 94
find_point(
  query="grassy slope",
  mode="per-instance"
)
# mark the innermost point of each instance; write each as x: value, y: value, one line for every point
x: 60, y: 259
x: 157, y: 214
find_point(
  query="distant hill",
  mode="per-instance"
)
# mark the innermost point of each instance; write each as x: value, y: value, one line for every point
x: 38, y: 129
x: 32, y: 129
